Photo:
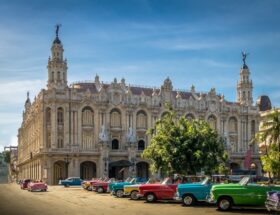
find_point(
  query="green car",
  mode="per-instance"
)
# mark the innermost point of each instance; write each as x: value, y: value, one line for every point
x: 241, y: 194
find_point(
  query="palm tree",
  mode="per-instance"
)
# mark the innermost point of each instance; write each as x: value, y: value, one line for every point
x: 270, y: 134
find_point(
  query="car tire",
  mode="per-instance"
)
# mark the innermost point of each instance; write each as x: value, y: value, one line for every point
x: 119, y: 193
x: 224, y: 203
x: 100, y: 190
x: 133, y: 195
x: 188, y: 200
x: 150, y: 197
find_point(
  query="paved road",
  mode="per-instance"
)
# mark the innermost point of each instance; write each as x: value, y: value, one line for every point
x: 76, y: 201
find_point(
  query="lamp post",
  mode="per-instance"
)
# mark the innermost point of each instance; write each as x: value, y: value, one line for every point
x: 105, y: 159
x: 133, y: 160
x: 67, y: 161
x: 252, y: 167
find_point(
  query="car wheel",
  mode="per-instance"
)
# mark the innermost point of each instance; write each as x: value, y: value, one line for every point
x: 119, y: 193
x: 150, y: 197
x: 224, y: 203
x: 100, y: 190
x: 133, y: 195
x: 188, y: 200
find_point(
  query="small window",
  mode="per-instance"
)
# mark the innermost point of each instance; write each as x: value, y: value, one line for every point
x: 115, y: 144
x: 141, y: 145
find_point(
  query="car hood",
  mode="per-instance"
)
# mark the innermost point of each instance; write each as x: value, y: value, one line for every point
x: 225, y: 186
x: 190, y: 185
x: 133, y: 185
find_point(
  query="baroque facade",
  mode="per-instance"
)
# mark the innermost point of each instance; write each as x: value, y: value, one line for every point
x: 91, y: 129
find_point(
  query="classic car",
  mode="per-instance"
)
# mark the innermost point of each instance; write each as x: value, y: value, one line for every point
x: 102, y: 186
x: 132, y: 190
x: 37, y: 186
x: 25, y: 183
x: 87, y: 184
x: 273, y: 201
x: 154, y: 192
x: 240, y: 194
x: 117, y: 188
x: 71, y: 181
x: 190, y: 193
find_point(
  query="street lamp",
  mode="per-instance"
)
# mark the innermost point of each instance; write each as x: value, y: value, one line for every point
x: 67, y: 161
x: 252, y: 168
x: 133, y: 160
x: 105, y: 159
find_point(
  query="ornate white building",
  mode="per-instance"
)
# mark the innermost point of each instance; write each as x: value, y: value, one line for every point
x: 91, y: 129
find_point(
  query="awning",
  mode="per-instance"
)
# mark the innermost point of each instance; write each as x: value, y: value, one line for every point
x: 120, y: 163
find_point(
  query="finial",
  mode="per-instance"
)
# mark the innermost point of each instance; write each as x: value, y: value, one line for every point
x: 27, y: 94
x: 57, y: 26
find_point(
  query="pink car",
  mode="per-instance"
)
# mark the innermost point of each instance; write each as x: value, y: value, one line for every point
x: 37, y: 186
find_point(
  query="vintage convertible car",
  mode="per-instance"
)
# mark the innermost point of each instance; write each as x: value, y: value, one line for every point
x: 37, y: 186
x: 117, y: 188
x: 71, y: 181
x: 190, y: 193
x: 153, y: 192
x: 240, y: 194
x: 132, y: 190
x: 87, y: 184
x: 102, y: 186
x: 24, y: 183
x: 273, y: 201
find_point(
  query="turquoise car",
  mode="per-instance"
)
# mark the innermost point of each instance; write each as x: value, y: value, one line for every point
x: 189, y: 194
x: 71, y: 181
x: 118, y: 188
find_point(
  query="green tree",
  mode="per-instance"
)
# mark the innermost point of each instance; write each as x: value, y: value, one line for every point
x: 7, y: 156
x: 184, y: 147
x: 269, y: 134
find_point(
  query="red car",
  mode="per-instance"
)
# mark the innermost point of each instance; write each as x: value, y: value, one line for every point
x: 37, y: 186
x: 154, y: 192
x: 25, y: 183
x: 102, y: 186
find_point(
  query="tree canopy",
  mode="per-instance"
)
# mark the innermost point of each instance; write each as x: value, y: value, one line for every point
x: 269, y: 134
x: 183, y: 146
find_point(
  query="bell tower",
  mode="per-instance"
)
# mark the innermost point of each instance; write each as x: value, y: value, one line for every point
x: 245, y: 85
x: 57, y: 66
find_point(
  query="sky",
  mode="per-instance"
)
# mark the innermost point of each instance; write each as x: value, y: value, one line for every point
x: 191, y: 41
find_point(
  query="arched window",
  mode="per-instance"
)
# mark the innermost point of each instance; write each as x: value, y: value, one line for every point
x: 115, y: 144
x: 48, y: 116
x: 141, y: 120
x: 232, y: 125
x: 141, y: 145
x: 58, y: 76
x: 52, y: 78
x: 253, y: 128
x: 212, y: 122
x: 60, y: 116
x: 87, y: 116
x: 190, y: 117
x: 115, y: 118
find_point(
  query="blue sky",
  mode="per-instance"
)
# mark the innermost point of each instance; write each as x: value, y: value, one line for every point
x: 193, y: 42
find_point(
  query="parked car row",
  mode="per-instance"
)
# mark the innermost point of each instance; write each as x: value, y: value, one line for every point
x: 225, y: 196
x: 31, y: 185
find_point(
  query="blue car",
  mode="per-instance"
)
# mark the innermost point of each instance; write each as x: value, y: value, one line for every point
x: 189, y: 194
x: 71, y: 181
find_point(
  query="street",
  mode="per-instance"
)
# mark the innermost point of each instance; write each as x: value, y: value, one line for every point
x: 74, y: 200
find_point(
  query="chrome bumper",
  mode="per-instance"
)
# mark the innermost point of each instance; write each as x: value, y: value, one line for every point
x: 272, y: 206
x: 210, y: 200
x: 140, y: 195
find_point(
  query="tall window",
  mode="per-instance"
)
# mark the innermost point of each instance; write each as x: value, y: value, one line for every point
x: 48, y: 116
x: 253, y: 128
x: 52, y: 76
x: 232, y: 125
x: 115, y: 118
x: 115, y: 144
x: 212, y: 122
x: 87, y: 116
x: 60, y: 117
x: 141, y: 120
x: 60, y: 142
x: 141, y: 145
x: 58, y: 76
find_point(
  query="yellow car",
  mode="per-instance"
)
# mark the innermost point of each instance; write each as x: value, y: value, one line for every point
x: 132, y: 190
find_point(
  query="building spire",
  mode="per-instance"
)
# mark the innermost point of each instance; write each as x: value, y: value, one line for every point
x: 57, y: 40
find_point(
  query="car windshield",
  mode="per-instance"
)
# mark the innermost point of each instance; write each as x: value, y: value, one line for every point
x: 244, y: 181
x: 69, y: 179
x: 167, y: 181
x: 128, y: 179
x: 132, y: 180
x: 205, y: 181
